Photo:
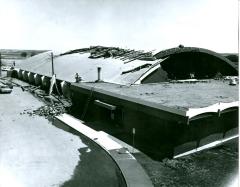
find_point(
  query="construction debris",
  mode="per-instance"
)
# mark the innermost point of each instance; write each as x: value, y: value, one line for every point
x: 137, y: 68
x: 55, y: 105
x: 29, y: 88
x: 48, y: 111
x: 126, y: 55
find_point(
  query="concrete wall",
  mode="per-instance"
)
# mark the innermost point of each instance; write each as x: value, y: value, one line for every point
x: 158, y: 133
x: 158, y: 136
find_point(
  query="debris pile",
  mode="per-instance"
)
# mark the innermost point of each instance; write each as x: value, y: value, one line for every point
x: 126, y: 55
x: 55, y: 105
x: 48, y: 111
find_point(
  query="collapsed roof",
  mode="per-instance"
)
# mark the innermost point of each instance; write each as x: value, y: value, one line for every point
x: 125, y: 66
x: 122, y: 67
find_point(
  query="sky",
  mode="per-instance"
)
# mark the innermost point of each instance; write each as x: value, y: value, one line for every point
x: 138, y: 24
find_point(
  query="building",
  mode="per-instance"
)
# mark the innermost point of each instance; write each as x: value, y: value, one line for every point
x: 165, y: 104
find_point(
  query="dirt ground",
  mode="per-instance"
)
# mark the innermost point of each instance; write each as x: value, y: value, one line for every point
x: 217, y: 167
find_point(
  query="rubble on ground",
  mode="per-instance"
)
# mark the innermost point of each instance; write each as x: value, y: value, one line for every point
x: 48, y: 111
x: 55, y: 105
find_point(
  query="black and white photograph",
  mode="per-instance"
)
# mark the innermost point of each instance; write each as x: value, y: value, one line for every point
x: 119, y: 93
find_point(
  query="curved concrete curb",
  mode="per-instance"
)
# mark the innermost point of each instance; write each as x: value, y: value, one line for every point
x: 132, y: 171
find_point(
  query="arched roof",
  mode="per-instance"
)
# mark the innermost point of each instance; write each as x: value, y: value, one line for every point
x: 65, y: 66
x: 162, y: 66
x: 177, y: 50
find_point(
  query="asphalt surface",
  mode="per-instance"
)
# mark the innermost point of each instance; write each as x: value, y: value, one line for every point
x: 36, y: 152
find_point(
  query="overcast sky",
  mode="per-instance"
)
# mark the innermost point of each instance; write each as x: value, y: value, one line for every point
x: 139, y: 24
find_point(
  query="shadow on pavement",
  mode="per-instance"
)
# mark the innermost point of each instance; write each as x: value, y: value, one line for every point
x: 95, y: 167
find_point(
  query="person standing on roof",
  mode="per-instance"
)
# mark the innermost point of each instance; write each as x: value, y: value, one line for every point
x: 77, y: 78
x: 192, y: 75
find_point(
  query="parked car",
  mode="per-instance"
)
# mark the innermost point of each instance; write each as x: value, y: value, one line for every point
x: 5, y: 68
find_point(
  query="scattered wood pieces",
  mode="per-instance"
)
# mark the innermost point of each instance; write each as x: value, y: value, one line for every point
x: 114, y: 52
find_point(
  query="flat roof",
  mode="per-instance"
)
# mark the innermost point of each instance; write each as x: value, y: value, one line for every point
x: 179, y: 98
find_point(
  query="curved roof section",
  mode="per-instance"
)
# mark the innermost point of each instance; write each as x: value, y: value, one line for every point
x: 172, y: 51
x: 127, y: 67
x: 113, y: 70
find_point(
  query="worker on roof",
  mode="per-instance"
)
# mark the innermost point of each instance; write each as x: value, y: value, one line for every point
x: 77, y: 78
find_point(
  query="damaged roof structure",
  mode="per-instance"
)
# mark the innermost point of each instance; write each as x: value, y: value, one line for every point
x: 125, y: 66
x: 117, y: 65
x: 172, y: 88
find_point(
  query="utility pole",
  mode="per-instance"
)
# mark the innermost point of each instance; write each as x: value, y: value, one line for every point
x: 52, y: 64
x: 53, y: 77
